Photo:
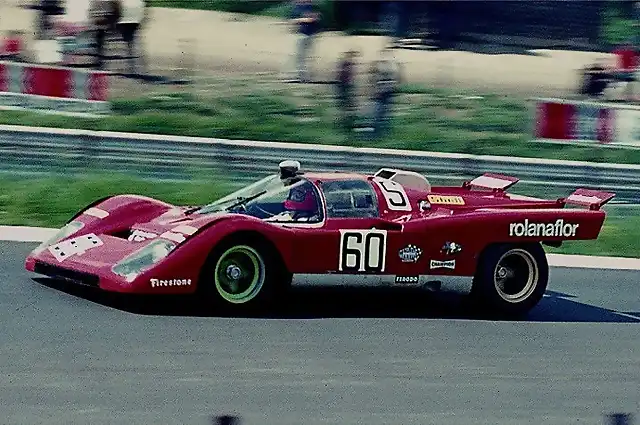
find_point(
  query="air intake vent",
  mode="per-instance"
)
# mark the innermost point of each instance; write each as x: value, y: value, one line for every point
x: 57, y: 272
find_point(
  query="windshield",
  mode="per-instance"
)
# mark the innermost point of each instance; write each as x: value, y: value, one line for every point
x: 273, y: 199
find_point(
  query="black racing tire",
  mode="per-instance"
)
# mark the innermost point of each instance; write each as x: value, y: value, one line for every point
x: 243, y: 275
x: 510, y: 279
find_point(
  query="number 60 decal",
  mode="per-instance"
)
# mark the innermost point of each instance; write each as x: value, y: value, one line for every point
x: 394, y: 194
x: 362, y: 250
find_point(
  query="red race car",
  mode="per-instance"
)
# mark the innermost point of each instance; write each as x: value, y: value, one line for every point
x: 242, y: 250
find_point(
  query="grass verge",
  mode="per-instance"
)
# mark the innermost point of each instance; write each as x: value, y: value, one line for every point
x: 51, y: 201
x: 232, y: 6
x: 263, y: 109
x: 271, y: 8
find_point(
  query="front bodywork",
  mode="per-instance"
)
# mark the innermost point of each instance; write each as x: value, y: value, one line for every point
x: 135, y: 244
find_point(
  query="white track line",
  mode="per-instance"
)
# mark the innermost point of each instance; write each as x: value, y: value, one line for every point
x: 40, y: 234
x: 593, y: 262
x: 25, y: 234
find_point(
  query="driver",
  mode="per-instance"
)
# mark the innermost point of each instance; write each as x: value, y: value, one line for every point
x: 302, y: 202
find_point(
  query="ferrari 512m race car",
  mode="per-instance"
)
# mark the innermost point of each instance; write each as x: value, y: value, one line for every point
x: 242, y: 250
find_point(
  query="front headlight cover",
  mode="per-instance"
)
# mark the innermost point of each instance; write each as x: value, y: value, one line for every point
x: 64, y: 232
x: 143, y: 259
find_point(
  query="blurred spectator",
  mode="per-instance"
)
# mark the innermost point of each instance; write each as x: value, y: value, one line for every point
x: 133, y: 13
x: 73, y: 32
x: 595, y: 79
x: 446, y: 15
x: 395, y: 21
x: 345, y: 83
x: 307, y: 21
x: 626, y: 67
x: 385, y: 81
x: 104, y: 15
x: 46, y: 9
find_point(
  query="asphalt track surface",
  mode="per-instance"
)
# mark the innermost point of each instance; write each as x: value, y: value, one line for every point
x: 70, y: 356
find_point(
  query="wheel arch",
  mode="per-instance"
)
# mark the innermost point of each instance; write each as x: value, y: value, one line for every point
x: 488, y: 247
x: 249, y: 236
x: 536, y: 245
x: 278, y: 275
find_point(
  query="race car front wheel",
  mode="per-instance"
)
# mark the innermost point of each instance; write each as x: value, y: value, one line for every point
x: 511, y: 279
x: 239, y: 274
x: 242, y: 276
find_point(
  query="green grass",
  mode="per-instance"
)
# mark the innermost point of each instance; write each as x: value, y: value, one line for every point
x: 233, y: 6
x: 618, y: 238
x: 271, y: 8
x: 280, y: 9
x: 266, y: 110
x: 51, y: 201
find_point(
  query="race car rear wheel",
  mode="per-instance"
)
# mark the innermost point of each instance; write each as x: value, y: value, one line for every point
x: 511, y: 279
x: 243, y: 275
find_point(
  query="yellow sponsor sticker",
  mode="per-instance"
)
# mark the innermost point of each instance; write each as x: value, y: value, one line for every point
x: 446, y: 200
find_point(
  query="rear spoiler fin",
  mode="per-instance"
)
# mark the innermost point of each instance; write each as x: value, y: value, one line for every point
x: 594, y: 199
x: 495, y: 182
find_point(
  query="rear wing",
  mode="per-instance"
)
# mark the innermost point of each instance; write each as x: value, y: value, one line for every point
x: 594, y: 199
x: 491, y: 181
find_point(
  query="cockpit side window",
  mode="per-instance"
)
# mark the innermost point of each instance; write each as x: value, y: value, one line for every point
x: 295, y: 201
x: 350, y: 199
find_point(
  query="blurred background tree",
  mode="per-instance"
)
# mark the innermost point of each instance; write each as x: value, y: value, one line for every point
x: 618, y: 23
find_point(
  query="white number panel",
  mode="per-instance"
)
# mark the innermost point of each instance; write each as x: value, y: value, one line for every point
x: 363, y: 251
x: 394, y: 194
x: 75, y: 246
